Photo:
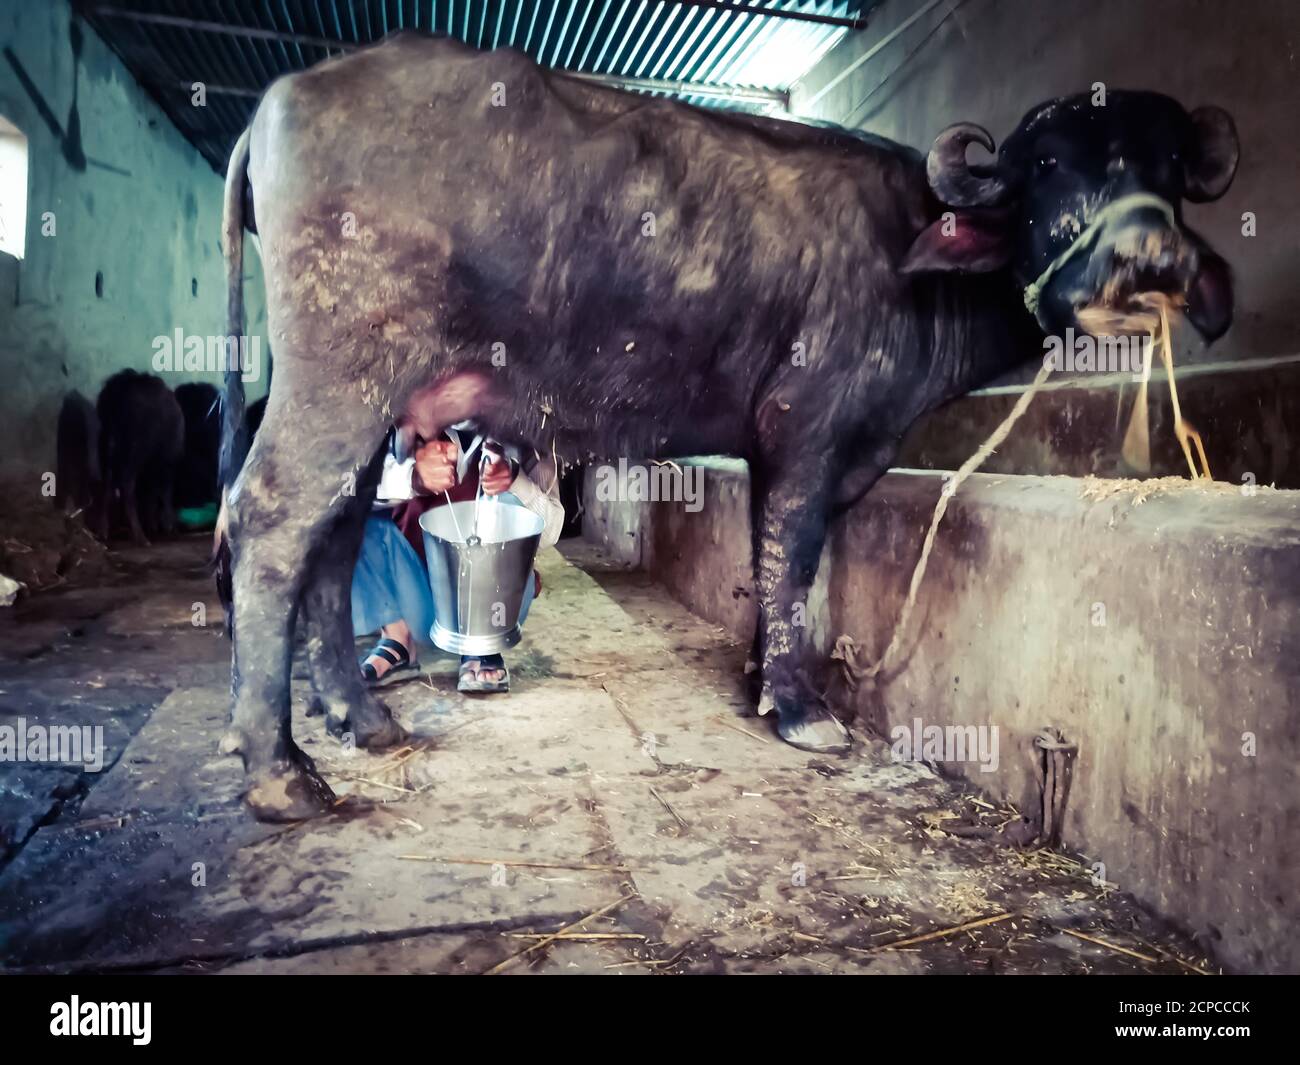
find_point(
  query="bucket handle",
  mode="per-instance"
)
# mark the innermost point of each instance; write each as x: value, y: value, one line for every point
x: 452, y: 509
x: 488, y: 456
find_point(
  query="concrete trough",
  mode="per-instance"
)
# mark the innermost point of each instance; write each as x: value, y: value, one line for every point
x: 1245, y: 411
x: 1160, y: 636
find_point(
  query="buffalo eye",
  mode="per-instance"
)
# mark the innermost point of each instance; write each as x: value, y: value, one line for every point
x: 1045, y: 164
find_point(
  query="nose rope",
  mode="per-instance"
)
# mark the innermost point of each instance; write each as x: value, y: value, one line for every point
x: 1131, y: 202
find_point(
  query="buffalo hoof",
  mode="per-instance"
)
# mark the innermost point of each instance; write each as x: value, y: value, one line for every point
x: 289, y: 791
x: 817, y: 731
x: 370, y: 725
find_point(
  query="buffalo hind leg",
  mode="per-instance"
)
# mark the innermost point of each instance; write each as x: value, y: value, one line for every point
x: 789, y: 526
x: 338, y: 690
x: 294, y: 487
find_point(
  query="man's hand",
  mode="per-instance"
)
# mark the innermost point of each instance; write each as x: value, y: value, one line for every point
x: 497, y: 477
x: 435, y: 467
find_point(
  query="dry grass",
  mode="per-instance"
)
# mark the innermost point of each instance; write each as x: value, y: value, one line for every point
x: 1137, y: 492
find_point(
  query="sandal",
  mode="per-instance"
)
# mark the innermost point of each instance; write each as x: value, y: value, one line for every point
x: 397, y: 657
x: 471, y: 669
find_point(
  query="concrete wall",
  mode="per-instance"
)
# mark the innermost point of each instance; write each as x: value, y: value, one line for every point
x: 994, y: 59
x: 1158, y: 637
x: 132, y: 201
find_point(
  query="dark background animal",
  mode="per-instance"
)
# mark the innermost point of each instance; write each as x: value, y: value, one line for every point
x: 141, y: 437
x: 660, y: 281
x: 76, y: 471
x: 196, y: 473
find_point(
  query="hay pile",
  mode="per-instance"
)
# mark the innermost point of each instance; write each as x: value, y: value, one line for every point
x: 1136, y: 492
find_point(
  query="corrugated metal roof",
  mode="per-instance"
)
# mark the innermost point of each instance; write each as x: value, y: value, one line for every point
x: 743, y: 54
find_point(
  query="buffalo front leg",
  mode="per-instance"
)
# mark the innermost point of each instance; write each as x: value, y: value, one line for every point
x: 789, y: 516
x: 338, y: 690
x: 296, y: 485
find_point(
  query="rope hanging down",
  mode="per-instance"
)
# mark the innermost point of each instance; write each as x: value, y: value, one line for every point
x: 846, y: 649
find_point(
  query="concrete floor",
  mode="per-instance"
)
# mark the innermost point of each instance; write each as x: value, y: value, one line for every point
x: 625, y: 765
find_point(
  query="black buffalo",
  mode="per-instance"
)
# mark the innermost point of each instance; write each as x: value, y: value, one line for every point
x: 196, y: 474
x: 76, y: 471
x: 141, y: 436
x: 449, y: 234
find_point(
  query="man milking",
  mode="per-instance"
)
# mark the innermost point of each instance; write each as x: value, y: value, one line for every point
x: 390, y: 585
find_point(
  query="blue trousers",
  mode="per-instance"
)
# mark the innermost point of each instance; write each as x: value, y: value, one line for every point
x: 390, y: 582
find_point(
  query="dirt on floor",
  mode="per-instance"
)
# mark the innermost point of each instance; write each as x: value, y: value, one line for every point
x: 42, y: 546
x: 620, y: 811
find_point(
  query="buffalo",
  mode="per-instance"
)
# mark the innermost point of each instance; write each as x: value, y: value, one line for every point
x: 196, y: 475
x: 76, y: 477
x: 141, y: 440
x: 449, y: 234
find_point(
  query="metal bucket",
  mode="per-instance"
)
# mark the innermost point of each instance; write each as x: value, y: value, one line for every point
x: 479, y: 588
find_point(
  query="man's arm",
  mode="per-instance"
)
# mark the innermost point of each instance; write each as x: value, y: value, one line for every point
x: 501, y: 476
x: 545, y: 506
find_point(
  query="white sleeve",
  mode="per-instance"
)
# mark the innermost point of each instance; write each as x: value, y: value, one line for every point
x: 545, y: 505
x: 395, y: 481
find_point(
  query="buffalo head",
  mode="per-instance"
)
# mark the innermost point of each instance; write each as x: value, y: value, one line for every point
x: 1084, y: 203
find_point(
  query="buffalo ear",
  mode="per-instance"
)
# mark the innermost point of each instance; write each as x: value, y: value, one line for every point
x: 973, y: 242
x: 1214, y: 156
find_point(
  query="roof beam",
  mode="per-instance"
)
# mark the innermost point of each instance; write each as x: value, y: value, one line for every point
x: 737, y: 94
x: 215, y: 90
x: 227, y: 29
x: 234, y: 30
